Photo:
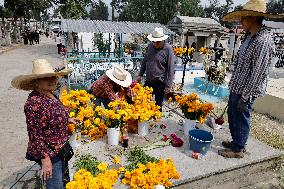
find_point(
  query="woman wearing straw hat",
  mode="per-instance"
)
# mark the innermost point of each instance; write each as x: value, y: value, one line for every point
x: 250, y: 75
x: 46, y: 119
x: 106, y: 88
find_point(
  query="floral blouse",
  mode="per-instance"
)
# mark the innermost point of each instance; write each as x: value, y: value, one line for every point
x: 47, y: 120
x: 104, y: 88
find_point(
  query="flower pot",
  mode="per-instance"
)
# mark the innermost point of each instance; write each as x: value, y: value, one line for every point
x: 143, y: 128
x: 188, y: 125
x: 75, y: 139
x: 113, y: 135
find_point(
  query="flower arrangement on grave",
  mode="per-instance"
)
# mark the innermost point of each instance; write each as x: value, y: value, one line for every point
x: 215, y: 71
x: 193, y: 108
x: 144, y: 108
x: 204, y: 50
x: 80, y: 106
x: 93, y: 174
x: 179, y: 51
x: 145, y: 171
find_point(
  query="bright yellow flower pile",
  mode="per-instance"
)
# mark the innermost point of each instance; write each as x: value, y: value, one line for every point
x: 83, y: 179
x: 144, y: 108
x: 80, y: 106
x: 146, y: 176
x: 204, y: 50
x: 193, y: 108
x: 179, y: 51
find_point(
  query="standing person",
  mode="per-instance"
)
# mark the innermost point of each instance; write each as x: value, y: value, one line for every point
x: 47, y: 121
x: 31, y: 37
x: 36, y: 36
x: 159, y: 65
x: 107, y: 87
x: 249, y: 79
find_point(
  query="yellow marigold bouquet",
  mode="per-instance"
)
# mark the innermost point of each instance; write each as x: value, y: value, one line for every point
x: 83, y: 179
x: 144, y: 108
x: 179, y: 51
x: 80, y: 106
x: 204, y: 50
x: 193, y: 108
x: 151, y: 174
x: 94, y: 174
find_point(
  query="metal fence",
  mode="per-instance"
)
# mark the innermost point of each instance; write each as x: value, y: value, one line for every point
x: 89, y: 66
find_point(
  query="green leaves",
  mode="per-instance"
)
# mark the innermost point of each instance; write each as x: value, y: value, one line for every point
x: 89, y: 163
x: 137, y: 155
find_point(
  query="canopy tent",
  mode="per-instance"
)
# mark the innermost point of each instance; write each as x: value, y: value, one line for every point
x: 98, y: 26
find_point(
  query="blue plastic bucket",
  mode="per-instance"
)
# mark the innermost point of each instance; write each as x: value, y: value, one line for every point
x: 200, y: 140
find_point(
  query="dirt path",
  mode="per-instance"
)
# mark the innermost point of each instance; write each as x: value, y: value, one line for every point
x: 13, y: 140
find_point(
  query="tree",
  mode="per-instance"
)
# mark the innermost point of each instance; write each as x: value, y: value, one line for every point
x: 155, y: 10
x: 99, y: 11
x: 217, y: 11
x: 275, y: 6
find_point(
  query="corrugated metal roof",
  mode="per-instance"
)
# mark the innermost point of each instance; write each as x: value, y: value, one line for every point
x: 195, y: 24
x: 274, y: 25
x: 98, y: 26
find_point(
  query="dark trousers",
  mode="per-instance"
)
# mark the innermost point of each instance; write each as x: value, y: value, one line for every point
x: 158, y: 91
x: 104, y: 101
x: 239, y: 122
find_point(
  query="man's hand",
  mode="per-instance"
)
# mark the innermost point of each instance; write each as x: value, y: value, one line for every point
x: 242, y: 106
x: 46, y: 168
x: 138, y: 79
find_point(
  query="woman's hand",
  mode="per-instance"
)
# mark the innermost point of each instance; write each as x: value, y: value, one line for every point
x: 74, y: 120
x: 46, y: 168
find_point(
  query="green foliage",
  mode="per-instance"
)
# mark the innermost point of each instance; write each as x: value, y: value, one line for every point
x: 217, y: 11
x: 99, y: 11
x: 137, y: 155
x: 89, y: 163
x: 99, y: 42
x: 155, y: 10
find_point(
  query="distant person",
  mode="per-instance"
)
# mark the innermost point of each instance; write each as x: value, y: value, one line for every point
x: 36, y: 37
x: 25, y: 37
x: 31, y: 37
x: 59, y: 46
x: 158, y: 64
x: 63, y: 50
x: 250, y: 76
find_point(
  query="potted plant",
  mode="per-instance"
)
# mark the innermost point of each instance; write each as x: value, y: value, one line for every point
x: 193, y: 109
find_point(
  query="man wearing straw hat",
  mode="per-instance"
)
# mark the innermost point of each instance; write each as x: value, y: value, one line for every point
x: 159, y: 65
x: 249, y: 79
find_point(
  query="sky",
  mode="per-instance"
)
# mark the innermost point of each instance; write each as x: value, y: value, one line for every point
x: 1, y: 2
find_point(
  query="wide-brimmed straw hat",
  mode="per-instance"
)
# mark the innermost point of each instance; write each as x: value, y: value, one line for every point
x: 157, y: 35
x: 41, y: 69
x: 251, y: 8
x: 119, y: 76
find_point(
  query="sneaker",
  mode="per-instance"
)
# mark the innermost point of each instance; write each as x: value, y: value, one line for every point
x: 229, y: 153
x: 228, y: 144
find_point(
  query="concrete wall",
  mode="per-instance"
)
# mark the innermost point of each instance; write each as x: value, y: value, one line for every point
x: 271, y: 105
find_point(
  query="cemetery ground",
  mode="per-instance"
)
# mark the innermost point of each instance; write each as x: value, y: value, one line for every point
x: 13, y: 140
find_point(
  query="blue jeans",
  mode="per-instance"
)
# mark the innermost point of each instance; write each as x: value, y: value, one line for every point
x: 158, y: 91
x: 56, y: 182
x: 239, y: 122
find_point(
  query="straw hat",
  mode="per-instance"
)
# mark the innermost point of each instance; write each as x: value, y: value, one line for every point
x: 119, y: 76
x: 251, y: 8
x: 41, y: 69
x: 157, y: 35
